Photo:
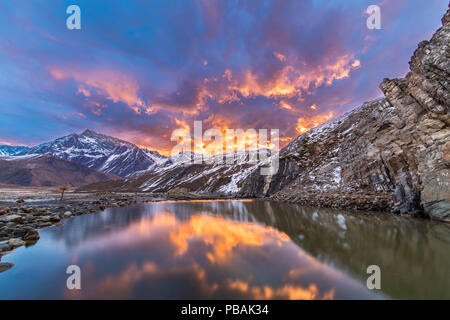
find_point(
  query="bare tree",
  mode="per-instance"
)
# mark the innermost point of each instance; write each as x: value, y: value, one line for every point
x: 62, y: 189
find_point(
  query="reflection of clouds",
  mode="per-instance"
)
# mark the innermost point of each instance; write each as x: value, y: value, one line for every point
x: 287, y: 291
x: 202, y: 256
x: 201, y: 250
x: 223, y: 236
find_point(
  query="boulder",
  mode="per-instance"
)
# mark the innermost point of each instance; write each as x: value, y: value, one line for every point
x: 5, y: 246
x: 12, y: 218
x: 67, y: 214
x: 5, y: 266
x: 16, y: 242
x: 31, y: 235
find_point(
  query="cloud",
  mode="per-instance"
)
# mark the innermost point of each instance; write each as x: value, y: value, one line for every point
x: 79, y: 114
x: 246, y: 64
x: 112, y: 84
x: 305, y: 124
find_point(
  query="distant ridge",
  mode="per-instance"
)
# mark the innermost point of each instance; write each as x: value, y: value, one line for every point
x: 47, y: 171
x: 6, y: 150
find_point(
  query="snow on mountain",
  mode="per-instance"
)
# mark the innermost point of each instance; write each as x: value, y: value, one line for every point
x: 155, y: 156
x: 11, y: 150
x: 179, y: 173
x: 100, y: 152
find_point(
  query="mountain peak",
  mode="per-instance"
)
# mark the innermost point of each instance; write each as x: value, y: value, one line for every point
x: 100, y: 152
x: 88, y: 132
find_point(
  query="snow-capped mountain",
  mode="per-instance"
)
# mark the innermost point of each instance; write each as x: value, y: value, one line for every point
x: 100, y: 152
x: 11, y: 150
x: 181, y: 174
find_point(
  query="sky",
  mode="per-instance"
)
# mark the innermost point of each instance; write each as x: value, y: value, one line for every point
x: 138, y: 70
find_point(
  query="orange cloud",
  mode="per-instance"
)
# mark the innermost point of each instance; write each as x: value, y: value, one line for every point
x: 288, y: 82
x: 182, y: 124
x: 279, y: 56
x: 83, y: 91
x: 356, y: 64
x: 115, y: 86
x: 285, y: 105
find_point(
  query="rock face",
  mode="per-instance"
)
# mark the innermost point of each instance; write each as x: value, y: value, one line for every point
x: 389, y: 154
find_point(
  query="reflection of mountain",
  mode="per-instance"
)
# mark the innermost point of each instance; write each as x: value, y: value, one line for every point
x: 351, y: 242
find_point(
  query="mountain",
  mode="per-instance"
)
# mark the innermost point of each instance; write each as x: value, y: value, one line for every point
x: 11, y: 150
x: 100, y: 152
x: 179, y: 174
x: 47, y: 171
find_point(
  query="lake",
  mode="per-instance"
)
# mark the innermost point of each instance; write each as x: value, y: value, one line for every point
x: 246, y: 249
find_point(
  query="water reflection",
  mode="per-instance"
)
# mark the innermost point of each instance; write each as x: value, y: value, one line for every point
x: 232, y: 249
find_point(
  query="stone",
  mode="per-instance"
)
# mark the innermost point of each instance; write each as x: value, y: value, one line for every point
x: 5, y: 246
x: 55, y: 218
x: 67, y: 214
x: 5, y: 266
x: 20, y: 200
x: 11, y: 225
x: 31, y: 235
x: 44, y: 224
x: 19, y: 232
x: 12, y: 218
x: 439, y: 210
x: 16, y: 242
x: 4, y: 210
x: 26, y: 210
x: 45, y: 218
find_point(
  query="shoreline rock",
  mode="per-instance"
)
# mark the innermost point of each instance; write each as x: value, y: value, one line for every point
x: 5, y: 266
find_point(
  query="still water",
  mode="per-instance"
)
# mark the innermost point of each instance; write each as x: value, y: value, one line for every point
x: 232, y: 250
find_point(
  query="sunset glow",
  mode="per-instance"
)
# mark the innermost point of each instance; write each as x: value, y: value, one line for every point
x: 135, y: 72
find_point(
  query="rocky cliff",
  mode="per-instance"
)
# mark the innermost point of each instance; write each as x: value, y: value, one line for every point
x: 389, y: 154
